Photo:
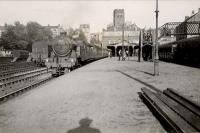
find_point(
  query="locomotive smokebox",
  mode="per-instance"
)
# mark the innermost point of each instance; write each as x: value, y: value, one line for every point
x: 62, y: 47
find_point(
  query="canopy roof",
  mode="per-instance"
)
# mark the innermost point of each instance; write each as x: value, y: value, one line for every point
x: 125, y: 44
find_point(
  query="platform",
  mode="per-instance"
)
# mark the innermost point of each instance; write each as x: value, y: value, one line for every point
x: 104, y: 91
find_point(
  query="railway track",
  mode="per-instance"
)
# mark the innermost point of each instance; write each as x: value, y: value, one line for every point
x: 20, y: 76
x: 15, y: 71
x: 175, y: 112
x: 24, y: 88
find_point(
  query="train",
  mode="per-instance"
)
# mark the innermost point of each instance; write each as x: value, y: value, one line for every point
x: 185, y: 51
x: 63, y: 54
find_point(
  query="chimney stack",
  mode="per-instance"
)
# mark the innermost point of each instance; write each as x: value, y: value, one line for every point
x: 192, y: 12
x: 186, y: 17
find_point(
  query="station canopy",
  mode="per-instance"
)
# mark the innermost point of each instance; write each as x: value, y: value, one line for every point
x: 125, y: 44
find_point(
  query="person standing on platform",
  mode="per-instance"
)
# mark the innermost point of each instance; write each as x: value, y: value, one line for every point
x: 120, y: 52
x: 109, y: 54
x: 124, y: 55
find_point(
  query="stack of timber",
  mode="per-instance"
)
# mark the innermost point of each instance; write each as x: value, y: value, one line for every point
x: 175, y: 112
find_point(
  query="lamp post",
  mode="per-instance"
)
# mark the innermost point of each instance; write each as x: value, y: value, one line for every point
x: 140, y: 46
x: 122, y: 41
x: 128, y: 47
x: 156, y: 58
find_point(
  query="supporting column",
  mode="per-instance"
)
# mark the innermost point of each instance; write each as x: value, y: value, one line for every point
x: 115, y: 51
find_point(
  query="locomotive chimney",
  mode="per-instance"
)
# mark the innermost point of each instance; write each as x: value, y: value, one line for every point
x: 199, y: 10
x: 186, y: 17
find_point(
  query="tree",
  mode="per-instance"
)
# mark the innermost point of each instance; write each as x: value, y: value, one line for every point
x: 71, y: 32
x: 76, y: 34
x: 18, y: 36
x: 14, y: 37
x: 36, y: 32
x: 47, y: 34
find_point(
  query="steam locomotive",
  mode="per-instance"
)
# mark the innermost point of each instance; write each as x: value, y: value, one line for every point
x: 64, y: 54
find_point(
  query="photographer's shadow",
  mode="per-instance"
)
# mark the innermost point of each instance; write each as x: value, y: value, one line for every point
x: 84, y: 127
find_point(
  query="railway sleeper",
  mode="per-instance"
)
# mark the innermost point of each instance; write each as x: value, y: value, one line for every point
x: 27, y: 87
x: 22, y: 74
x: 22, y: 80
x: 14, y: 71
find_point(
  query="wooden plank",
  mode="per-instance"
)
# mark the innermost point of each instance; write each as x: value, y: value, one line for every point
x: 182, y: 100
x: 161, y: 116
x: 174, y: 117
x: 185, y: 113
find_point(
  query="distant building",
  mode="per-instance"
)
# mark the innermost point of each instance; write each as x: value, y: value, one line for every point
x: 112, y: 36
x: 5, y: 53
x: 56, y: 30
x: 2, y: 29
x: 193, y: 18
x: 118, y: 18
x: 183, y: 29
x: 85, y: 28
x: 189, y: 26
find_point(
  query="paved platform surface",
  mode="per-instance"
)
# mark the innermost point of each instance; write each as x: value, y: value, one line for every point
x: 104, y: 91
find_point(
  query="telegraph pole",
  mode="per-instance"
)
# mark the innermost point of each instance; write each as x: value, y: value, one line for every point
x: 156, y: 58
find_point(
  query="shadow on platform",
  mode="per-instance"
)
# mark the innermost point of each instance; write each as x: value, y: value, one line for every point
x: 84, y: 127
x: 145, y: 72
x: 140, y: 81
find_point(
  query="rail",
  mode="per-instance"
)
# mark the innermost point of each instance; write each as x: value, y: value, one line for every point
x: 21, y: 74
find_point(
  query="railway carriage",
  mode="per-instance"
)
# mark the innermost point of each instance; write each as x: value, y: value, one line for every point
x: 185, y: 51
x: 167, y: 51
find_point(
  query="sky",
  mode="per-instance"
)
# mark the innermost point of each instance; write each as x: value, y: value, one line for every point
x: 97, y: 13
